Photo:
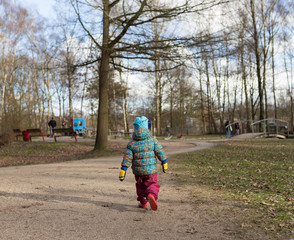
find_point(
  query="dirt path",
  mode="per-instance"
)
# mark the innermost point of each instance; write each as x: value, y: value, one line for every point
x: 85, y: 200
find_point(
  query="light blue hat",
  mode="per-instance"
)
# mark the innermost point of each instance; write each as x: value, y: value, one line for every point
x: 141, y: 122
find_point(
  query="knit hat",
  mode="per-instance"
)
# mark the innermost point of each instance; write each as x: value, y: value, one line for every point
x: 141, y: 122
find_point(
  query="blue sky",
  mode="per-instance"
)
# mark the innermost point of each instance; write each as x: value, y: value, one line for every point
x: 44, y: 7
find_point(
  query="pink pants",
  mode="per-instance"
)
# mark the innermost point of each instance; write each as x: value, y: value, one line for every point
x: 146, y: 185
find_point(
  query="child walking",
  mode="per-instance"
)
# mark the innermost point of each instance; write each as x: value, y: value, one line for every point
x: 141, y: 154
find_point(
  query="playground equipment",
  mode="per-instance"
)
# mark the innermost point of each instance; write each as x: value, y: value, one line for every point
x: 272, y: 127
x: 78, y: 125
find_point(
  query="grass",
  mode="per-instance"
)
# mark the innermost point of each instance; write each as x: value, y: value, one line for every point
x: 206, y: 137
x: 259, y: 172
x: 196, y: 137
x: 24, y: 153
x: 30, y: 149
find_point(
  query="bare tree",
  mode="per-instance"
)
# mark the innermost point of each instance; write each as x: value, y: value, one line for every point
x: 243, y: 27
x: 257, y: 59
x: 218, y: 88
x: 121, y: 25
x: 13, y: 66
x: 290, y: 86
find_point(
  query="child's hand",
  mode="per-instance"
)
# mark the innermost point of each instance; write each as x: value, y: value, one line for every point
x: 122, y: 173
x: 164, y: 165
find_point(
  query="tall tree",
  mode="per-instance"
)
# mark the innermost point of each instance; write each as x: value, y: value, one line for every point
x: 256, y: 46
x: 132, y: 16
x: 243, y: 27
x: 11, y: 36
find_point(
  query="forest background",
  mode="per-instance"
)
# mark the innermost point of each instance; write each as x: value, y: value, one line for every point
x: 188, y: 66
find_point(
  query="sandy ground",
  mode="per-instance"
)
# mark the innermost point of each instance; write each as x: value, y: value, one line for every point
x: 85, y: 200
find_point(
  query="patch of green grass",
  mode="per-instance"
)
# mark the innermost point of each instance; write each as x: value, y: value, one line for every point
x: 260, y: 172
x: 24, y: 153
x: 32, y: 149
x: 50, y: 148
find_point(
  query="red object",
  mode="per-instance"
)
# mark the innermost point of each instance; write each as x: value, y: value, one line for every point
x: 143, y: 205
x: 26, y: 136
x: 152, y: 202
x: 146, y: 185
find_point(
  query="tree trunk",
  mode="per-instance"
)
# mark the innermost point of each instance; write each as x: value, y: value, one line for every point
x: 49, y: 91
x: 157, y: 95
x: 217, y: 83
x: 3, y: 88
x: 202, y: 103
x: 125, y: 111
x: 124, y: 101
x: 208, y: 96
x: 241, y: 103
x: 12, y: 99
x: 69, y: 80
x: 63, y: 105
x: 102, y: 124
x: 257, y: 58
x: 228, y: 96
x: 3, y: 96
x: 265, y: 51
x: 235, y: 102
x: 243, y: 67
x: 292, y: 104
x: 36, y: 86
x: 224, y: 98
x: 47, y: 84
x: 273, y: 73
x: 227, y: 84
x: 115, y: 107
x: 83, y: 93
x: 290, y: 91
x: 171, y: 103
x: 253, y: 112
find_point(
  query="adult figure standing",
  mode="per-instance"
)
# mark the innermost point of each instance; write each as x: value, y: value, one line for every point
x: 237, y: 128
x: 228, y: 129
x: 167, y: 130
x: 64, y: 123
x: 52, y: 125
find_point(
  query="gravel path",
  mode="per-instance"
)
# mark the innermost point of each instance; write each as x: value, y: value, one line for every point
x: 85, y: 200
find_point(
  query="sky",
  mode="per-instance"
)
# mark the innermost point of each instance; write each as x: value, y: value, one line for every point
x: 43, y: 7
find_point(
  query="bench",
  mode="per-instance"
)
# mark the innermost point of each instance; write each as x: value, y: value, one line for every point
x: 117, y: 134
x: 17, y: 133
x: 35, y: 132
x: 60, y: 132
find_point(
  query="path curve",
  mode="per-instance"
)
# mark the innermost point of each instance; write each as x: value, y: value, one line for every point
x: 85, y: 200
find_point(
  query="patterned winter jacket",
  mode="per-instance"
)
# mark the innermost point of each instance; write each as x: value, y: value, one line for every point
x: 141, y: 153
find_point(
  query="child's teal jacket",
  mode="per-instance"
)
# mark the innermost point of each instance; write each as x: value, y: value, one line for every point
x: 141, y: 153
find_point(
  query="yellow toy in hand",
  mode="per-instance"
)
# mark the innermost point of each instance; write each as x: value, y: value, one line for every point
x: 164, y: 166
x: 122, y: 173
